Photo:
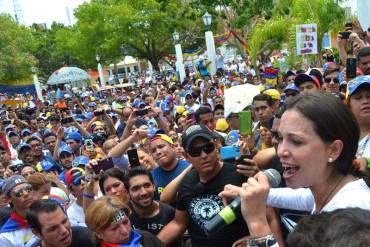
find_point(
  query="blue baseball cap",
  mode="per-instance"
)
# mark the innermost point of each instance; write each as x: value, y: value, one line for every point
x: 89, y: 115
x: 91, y: 104
x: 80, y: 160
x: 354, y: 84
x: 46, y: 166
x: 292, y: 87
x: 22, y: 146
x: 66, y: 149
x: 12, y: 133
x: 25, y: 131
x: 74, y: 136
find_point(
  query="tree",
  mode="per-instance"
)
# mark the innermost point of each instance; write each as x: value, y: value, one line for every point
x: 327, y: 14
x: 50, y: 56
x: 16, y: 45
x: 112, y: 28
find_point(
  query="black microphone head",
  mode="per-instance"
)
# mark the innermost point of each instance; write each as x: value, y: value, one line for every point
x: 273, y: 176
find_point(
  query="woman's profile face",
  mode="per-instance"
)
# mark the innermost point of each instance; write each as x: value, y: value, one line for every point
x: 302, y: 152
x: 116, y: 233
x: 114, y: 187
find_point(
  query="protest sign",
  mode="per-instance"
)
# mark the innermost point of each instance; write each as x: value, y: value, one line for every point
x: 306, y: 38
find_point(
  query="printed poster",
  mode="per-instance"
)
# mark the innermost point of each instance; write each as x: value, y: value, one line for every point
x: 306, y: 35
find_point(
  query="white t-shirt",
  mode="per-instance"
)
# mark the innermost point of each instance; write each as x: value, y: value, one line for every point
x: 76, y: 215
x: 17, y: 238
x: 353, y: 194
x: 363, y: 149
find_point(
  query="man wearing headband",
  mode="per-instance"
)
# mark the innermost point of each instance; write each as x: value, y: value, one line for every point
x: 169, y: 166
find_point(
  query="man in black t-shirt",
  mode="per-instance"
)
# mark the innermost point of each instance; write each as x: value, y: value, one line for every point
x: 147, y: 214
x: 50, y: 223
x: 198, y: 199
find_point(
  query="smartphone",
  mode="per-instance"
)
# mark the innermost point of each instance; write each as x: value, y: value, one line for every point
x: 103, y: 164
x: 230, y: 152
x: 98, y: 113
x: 345, y: 35
x: 6, y: 121
x: 141, y: 113
x: 133, y: 157
x: 245, y: 123
x: 351, y: 64
x: 67, y: 120
x: 89, y: 144
x: 348, y: 24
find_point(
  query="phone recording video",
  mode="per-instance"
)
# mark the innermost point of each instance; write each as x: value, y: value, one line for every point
x: 102, y: 165
x: 140, y: 113
x: 67, y: 120
x: 133, y: 157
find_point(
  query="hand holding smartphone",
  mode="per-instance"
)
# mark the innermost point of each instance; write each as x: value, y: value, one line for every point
x: 133, y: 157
x: 102, y: 165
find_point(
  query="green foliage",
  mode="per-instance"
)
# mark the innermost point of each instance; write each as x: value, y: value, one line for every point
x: 16, y: 43
x: 327, y: 14
x: 269, y: 34
x: 112, y: 28
x: 50, y: 56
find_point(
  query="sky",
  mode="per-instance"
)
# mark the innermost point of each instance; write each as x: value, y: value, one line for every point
x: 42, y: 11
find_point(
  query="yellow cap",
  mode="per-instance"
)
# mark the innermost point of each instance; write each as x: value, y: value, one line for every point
x: 180, y: 109
x: 222, y: 125
x: 261, y: 88
x: 275, y: 95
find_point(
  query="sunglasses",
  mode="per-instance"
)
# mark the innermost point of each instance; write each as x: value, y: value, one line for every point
x: 20, y: 192
x: 292, y: 94
x: 196, y: 151
x: 274, y: 135
x: 328, y: 80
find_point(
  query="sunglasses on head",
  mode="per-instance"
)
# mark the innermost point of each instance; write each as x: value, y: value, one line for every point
x: 207, y: 148
x: 20, y: 192
x: 328, y: 80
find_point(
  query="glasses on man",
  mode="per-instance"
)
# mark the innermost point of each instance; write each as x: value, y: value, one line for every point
x: 291, y: 94
x: 334, y: 80
x: 20, y: 192
x: 207, y: 149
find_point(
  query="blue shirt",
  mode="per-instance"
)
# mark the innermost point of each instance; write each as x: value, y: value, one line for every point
x: 162, y: 177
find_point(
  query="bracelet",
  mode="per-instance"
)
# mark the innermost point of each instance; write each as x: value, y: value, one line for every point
x: 265, y: 241
x: 90, y: 196
x: 368, y: 163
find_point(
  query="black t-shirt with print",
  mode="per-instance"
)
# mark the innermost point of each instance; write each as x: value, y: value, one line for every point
x: 154, y: 224
x: 201, y: 202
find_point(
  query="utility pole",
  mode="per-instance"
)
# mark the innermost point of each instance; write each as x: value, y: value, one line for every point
x: 18, y: 12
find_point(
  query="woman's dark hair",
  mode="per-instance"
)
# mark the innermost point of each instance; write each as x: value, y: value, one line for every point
x: 112, y: 172
x: 332, y: 120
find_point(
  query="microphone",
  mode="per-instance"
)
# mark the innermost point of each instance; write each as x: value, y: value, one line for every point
x: 229, y: 213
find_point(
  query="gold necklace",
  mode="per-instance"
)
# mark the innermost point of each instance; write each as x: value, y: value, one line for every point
x: 317, y: 211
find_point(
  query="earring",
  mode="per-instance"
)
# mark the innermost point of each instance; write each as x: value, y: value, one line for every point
x: 330, y: 160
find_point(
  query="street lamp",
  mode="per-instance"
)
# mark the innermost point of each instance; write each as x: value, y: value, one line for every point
x: 179, y: 59
x: 210, y: 43
x: 176, y: 36
x: 37, y: 83
x: 100, y: 70
x: 207, y: 20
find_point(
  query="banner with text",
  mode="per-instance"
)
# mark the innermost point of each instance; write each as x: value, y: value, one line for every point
x: 306, y: 37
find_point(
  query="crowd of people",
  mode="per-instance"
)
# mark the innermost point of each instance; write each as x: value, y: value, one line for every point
x: 153, y: 164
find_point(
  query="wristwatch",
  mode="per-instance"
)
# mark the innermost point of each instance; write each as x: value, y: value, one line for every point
x: 265, y: 241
